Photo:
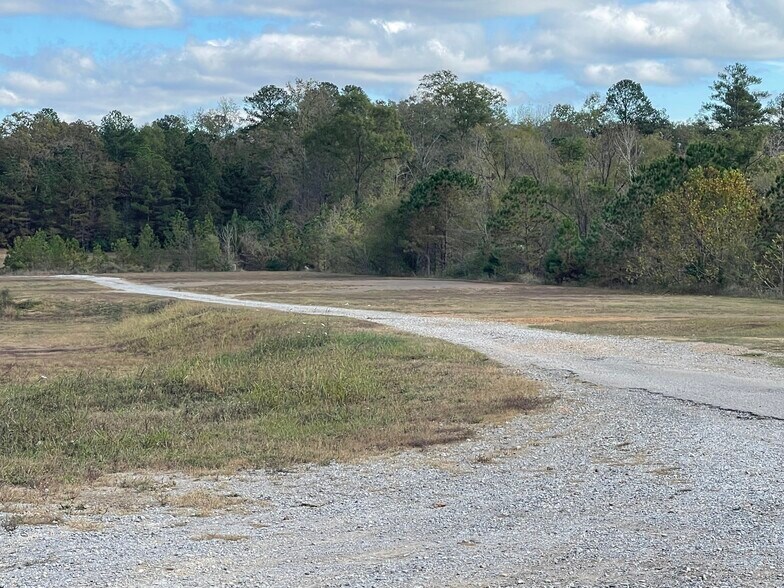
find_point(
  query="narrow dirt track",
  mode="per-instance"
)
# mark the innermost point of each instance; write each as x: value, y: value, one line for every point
x: 698, y: 373
x: 611, y: 486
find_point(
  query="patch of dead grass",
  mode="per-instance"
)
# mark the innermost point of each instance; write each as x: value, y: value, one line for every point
x: 84, y: 525
x: 13, y: 495
x: 202, y: 502
x: 140, y: 483
x: 753, y: 323
x: 485, y: 458
x: 232, y: 538
x: 15, y: 520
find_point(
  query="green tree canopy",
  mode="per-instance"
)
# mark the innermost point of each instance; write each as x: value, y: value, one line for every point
x: 471, y: 104
x: 521, y: 227
x: 437, y: 218
x: 269, y: 106
x: 361, y: 137
x: 119, y: 135
x: 627, y: 104
x: 701, y: 234
x: 735, y: 104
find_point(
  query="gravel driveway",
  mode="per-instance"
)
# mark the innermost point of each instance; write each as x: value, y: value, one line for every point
x: 632, y: 477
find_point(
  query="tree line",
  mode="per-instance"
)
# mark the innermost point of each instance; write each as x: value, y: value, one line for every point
x: 448, y: 182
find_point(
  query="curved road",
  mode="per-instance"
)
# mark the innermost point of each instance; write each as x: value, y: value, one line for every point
x: 700, y: 373
x: 611, y: 486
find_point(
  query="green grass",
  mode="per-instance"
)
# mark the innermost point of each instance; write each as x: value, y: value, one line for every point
x: 754, y: 323
x: 164, y: 386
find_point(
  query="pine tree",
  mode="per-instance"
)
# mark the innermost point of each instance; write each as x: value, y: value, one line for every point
x: 734, y: 104
x: 148, y: 249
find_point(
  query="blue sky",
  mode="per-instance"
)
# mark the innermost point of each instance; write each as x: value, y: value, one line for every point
x: 152, y: 57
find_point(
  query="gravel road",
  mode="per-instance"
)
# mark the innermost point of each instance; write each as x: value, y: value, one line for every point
x: 706, y: 374
x: 659, y: 464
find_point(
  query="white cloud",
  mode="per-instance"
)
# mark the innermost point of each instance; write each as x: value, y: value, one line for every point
x: 387, y: 46
x: 661, y: 42
x: 9, y: 99
x: 643, y: 71
x: 357, y: 55
x: 28, y: 84
x: 126, y: 13
x: 134, y: 13
x: 419, y: 10
x: 197, y: 74
x: 666, y: 28
x: 522, y: 57
x: 392, y: 27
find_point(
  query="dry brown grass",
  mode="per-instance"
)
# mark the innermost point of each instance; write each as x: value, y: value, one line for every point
x: 148, y: 385
x: 29, y: 519
x: 15, y: 495
x: 84, y: 525
x: 75, y: 504
x: 757, y: 324
x: 202, y: 502
x: 219, y: 537
x: 139, y: 483
x: 63, y: 326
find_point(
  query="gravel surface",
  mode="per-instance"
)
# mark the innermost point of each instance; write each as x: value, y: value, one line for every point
x: 702, y: 373
x: 611, y: 485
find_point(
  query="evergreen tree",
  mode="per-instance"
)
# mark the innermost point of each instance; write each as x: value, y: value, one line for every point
x: 628, y: 105
x: 179, y: 242
x: 521, y: 227
x: 148, y: 249
x: 734, y: 104
x: 208, y: 249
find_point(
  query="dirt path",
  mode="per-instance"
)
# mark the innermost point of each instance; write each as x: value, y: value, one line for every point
x: 701, y: 373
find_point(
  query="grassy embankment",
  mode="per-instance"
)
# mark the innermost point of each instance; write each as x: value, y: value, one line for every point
x: 754, y: 323
x: 92, y: 383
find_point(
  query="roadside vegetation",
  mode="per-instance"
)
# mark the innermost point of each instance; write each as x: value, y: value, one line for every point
x: 447, y: 182
x: 154, y: 385
x: 751, y: 322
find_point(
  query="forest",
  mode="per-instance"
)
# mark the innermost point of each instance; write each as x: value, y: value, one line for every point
x: 448, y: 182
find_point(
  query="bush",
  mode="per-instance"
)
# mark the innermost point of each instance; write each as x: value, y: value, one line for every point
x: 769, y: 270
x: 41, y: 252
x: 5, y: 299
x: 8, y: 307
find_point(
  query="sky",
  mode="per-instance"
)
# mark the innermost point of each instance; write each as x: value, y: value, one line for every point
x: 148, y: 58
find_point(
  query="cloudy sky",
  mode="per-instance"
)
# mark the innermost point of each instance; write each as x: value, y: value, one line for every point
x: 150, y: 57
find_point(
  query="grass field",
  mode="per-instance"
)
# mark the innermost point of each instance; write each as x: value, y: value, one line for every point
x: 756, y: 324
x: 92, y: 382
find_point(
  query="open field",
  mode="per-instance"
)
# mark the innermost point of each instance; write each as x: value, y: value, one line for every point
x: 94, y: 383
x: 619, y: 481
x: 757, y: 324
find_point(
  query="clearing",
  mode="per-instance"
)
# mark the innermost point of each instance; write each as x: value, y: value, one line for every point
x: 607, y: 484
x: 757, y: 324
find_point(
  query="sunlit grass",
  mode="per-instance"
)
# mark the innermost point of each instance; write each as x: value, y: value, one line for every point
x: 754, y: 323
x: 162, y: 386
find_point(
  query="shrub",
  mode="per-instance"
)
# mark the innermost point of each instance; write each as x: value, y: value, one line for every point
x: 41, y: 252
x: 8, y: 308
